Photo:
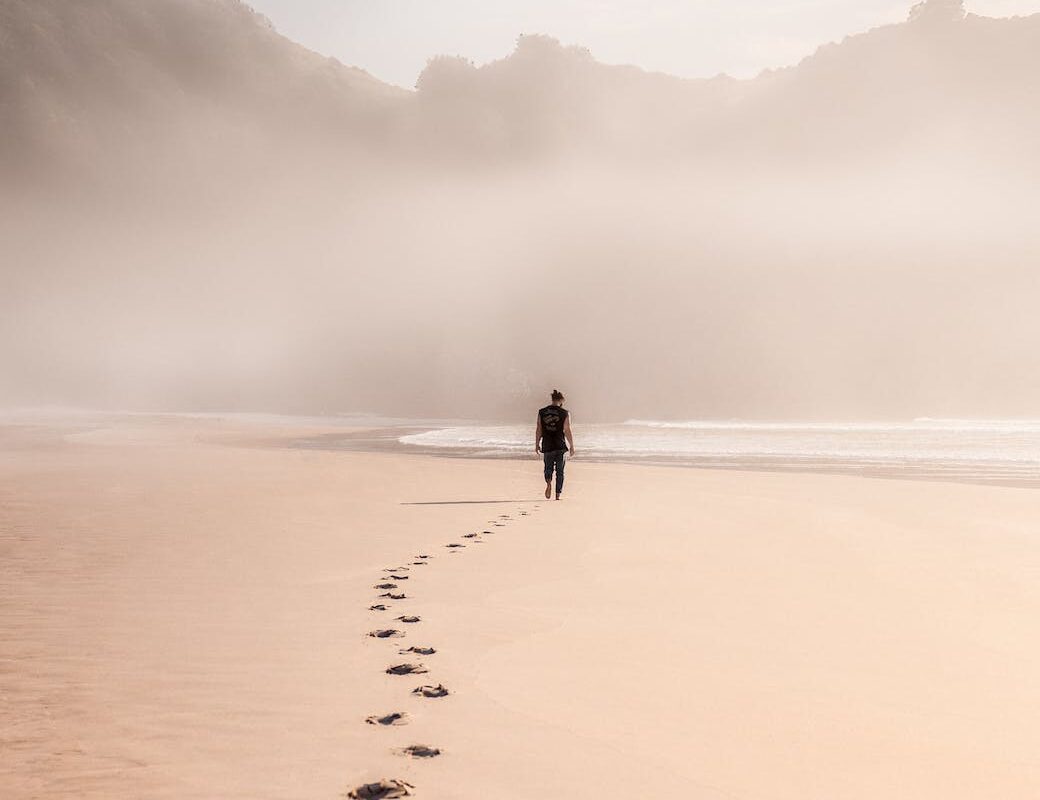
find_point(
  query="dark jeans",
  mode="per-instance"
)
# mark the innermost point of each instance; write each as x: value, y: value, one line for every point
x: 555, y: 459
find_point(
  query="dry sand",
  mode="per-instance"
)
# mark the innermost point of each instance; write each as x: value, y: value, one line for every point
x: 183, y: 615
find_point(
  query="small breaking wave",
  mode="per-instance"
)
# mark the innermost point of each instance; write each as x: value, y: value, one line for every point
x: 987, y: 449
x: 917, y: 424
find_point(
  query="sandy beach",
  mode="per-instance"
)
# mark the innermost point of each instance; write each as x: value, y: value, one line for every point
x: 184, y: 613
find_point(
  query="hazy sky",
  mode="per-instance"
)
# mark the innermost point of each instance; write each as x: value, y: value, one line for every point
x: 693, y: 38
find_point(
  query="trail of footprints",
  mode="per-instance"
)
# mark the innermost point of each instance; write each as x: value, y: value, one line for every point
x: 386, y: 789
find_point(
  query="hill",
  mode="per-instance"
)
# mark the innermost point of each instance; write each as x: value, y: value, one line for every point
x: 83, y: 83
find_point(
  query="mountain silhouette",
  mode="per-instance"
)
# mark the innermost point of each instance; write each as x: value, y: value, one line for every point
x: 80, y: 82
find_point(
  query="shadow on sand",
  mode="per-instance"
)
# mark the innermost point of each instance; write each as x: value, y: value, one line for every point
x: 463, y: 502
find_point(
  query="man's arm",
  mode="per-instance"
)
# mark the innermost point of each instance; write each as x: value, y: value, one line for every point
x: 538, y: 435
x: 567, y: 433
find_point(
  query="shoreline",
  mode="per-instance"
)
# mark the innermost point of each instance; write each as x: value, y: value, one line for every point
x: 386, y: 440
x: 374, y: 433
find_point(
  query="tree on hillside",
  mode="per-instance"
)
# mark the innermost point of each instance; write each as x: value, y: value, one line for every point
x: 937, y: 11
x: 446, y: 75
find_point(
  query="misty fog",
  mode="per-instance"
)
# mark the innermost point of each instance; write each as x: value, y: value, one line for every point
x: 197, y: 214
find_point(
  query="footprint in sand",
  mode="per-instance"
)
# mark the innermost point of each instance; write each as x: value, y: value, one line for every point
x: 406, y: 669
x: 470, y: 535
x: 454, y: 544
x: 383, y: 790
x: 397, y: 577
x: 421, y: 651
x: 386, y: 633
x: 385, y: 586
x: 420, y: 751
x: 408, y: 619
x: 378, y: 607
x: 393, y: 596
x: 395, y: 569
x: 420, y: 563
x: 396, y: 718
x: 431, y: 691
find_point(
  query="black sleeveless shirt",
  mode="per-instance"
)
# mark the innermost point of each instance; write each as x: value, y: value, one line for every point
x: 552, y: 418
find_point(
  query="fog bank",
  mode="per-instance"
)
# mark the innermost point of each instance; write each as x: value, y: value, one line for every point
x: 199, y: 214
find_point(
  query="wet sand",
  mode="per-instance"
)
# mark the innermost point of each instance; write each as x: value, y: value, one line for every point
x: 184, y: 610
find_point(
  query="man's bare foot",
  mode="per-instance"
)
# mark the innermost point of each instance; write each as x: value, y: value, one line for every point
x: 548, y: 490
x: 557, y: 497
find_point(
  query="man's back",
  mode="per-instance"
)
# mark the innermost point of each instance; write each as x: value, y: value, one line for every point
x: 553, y: 418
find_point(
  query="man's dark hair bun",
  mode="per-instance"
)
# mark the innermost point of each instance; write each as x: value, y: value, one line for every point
x: 557, y: 395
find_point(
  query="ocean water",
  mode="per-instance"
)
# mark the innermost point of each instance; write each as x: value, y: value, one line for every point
x: 987, y: 451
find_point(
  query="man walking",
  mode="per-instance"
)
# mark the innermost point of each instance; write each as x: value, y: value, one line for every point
x: 554, y: 426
